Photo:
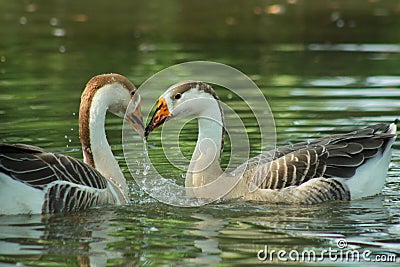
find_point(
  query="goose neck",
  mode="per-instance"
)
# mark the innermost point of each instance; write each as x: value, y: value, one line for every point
x: 96, y: 149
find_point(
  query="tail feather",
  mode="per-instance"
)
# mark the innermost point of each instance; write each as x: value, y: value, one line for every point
x: 370, y: 177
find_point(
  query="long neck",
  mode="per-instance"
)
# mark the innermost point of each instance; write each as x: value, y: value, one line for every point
x: 96, y: 150
x: 204, y: 166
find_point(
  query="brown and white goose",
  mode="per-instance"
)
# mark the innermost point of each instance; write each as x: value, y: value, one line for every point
x: 337, y: 167
x: 33, y: 180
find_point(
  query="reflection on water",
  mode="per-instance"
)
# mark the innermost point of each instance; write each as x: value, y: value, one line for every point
x: 223, y: 232
x: 81, y: 239
x: 326, y: 67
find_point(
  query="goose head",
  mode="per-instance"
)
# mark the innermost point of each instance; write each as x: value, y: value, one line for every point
x: 113, y: 92
x: 189, y: 98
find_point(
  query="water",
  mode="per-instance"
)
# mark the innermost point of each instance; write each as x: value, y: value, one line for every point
x: 325, y: 68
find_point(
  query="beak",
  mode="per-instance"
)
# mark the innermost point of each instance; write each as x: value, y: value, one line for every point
x: 134, y: 115
x: 161, y: 115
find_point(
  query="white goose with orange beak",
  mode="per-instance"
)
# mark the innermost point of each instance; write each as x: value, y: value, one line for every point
x: 337, y: 167
x: 35, y: 181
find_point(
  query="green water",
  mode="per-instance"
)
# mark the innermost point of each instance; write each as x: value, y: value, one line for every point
x: 325, y: 67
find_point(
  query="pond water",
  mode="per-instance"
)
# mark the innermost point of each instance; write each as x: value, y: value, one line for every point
x: 325, y: 67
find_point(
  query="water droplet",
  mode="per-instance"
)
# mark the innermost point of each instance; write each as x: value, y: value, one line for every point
x: 23, y: 20
x: 53, y: 21
x: 146, y: 169
x: 335, y: 16
x: 73, y: 114
x: 59, y: 32
x: 340, y: 23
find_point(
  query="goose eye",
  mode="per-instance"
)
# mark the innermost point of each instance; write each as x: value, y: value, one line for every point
x: 178, y: 95
x: 133, y: 93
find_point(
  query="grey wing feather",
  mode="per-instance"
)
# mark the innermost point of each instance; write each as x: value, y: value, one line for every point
x: 38, y: 168
x: 69, y: 184
x: 335, y: 156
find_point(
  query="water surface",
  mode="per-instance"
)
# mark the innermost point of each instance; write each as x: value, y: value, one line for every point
x: 325, y: 67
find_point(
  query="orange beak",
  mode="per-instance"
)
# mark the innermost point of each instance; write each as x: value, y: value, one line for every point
x: 161, y: 115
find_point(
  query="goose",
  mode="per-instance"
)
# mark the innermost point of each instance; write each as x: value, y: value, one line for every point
x: 34, y: 181
x: 337, y: 167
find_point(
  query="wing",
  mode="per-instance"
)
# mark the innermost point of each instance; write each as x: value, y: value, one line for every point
x: 69, y: 184
x: 334, y: 156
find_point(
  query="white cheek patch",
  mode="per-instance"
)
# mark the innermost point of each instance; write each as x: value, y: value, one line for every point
x: 115, y: 96
x: 175, y: 105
